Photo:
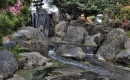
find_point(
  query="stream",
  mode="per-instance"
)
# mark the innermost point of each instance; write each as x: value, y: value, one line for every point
x: 101, y: 68
x: 96, y: 66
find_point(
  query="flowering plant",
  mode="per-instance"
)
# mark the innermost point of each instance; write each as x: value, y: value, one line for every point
x: 14, y: 16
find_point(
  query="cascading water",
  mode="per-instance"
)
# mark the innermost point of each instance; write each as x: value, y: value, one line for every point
x: 41, y: 15
x: 99, y: 70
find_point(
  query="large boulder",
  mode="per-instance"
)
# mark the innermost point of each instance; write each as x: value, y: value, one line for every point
x: 60, y: 29
x: 123, y: 57
x: 71, y: 52
x: 33, y: 59
x: 31, y: 39
x: 112, y: 44
x: 75, y: 34
x: 8, y: 64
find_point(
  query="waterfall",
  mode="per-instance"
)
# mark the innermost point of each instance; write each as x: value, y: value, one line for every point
x: 41, y: 16
x: 50, y: 8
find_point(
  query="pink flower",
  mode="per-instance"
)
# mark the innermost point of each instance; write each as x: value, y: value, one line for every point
x: 127, y: 7
x: 13, y: 9
x: 125, y: 23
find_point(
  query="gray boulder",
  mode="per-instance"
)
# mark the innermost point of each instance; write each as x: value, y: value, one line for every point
x: 71, y: 52
x: 16, y: 77
x: 60, y: 29
x: 112, y: 44
x: 31, y: 39
x: 127, y: 44
x: 75, y: 34
x: 123, y: 57
x: 8, y: 65
x: 8, y: 44
x: 90, y: 40
x: 33, y: 59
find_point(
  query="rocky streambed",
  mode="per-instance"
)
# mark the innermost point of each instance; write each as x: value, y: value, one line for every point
x: 74, y: 52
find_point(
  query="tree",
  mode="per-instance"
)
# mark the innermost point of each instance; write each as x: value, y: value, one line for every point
x: 88, y: 7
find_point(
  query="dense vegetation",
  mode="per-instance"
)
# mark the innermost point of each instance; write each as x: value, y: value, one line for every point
x: 13, y: 15
x: 113, y: 9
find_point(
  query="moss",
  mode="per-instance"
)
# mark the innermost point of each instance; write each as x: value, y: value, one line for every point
x: 26, y: 74
x: 122, y: 48
x: 128, y: 33
x: 35, y: 74
x: 58, y: 64
x: 16, y: 51
x: 86, y: 62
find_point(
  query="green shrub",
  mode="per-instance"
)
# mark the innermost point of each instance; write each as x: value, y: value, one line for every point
x: 128, y: 33
x: 10, y: 21
x: 16, y: 51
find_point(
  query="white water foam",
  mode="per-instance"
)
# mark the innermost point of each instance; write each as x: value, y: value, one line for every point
x: 50, y: 8
x: 47, y: 6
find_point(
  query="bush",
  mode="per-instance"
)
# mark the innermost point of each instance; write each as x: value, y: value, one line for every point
x: 13, y: 15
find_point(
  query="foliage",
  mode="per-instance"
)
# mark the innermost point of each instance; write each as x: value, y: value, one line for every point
x: 128, y: 33
x: 112, y: 9
x: 6, y: 3
x: 118, y: 12
x: 85, y: 5
x: 13, y: 15
x: 16, y: 51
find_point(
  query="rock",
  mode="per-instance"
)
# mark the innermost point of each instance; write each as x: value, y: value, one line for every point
x: 99, y: 40
x: 60, y: 29
x: 34, y: 74
x: 56, y: 39
x: 31, y: 39
x: 21, y: 62
x: 8, y: 65
x: 1, y: 76
x: 8, y: 44
x: 127, y: 44
x: 49, y: 64
x: 123, y: 57
x: 81, y: 23
x: 90, y: 40
x: 89, y: 51
x: 61, y: 17
x: 93, y: 29
x: 16, y: 77
x: 33, y: 59
x: 75, y: 35
x: 112, y: 44
x: 71, y: 52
